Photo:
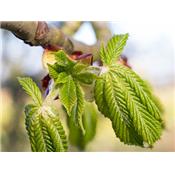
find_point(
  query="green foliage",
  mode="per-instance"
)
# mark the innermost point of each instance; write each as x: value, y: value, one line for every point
x: 68, y: 77
x: 45, y: 130
x: 122, y: 96
x: 81, y: 72
x: 87, y: 75
x: 67, y: 94
x: 42, y: 123
x: 114, y: 48
x: 64, y: 60
x: 53, y: 71
x: 78, y: 108
x: 149, y: 90
x: 76, y: 137
x: 31, y: 89
x: 72, y: 97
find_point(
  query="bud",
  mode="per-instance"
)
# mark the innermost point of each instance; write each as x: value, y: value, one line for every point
x: 48, y: 57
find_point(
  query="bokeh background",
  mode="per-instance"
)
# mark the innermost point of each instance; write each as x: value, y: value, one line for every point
x: 149, y: 51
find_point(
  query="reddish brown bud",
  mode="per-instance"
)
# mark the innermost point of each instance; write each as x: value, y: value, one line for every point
x: 45, y: 82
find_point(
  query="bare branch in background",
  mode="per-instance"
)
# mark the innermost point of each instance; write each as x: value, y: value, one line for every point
x: 101, y: 30
x: 40, y: 34
x: 71, y: 27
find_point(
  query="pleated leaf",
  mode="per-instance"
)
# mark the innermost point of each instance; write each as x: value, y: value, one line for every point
x: 45, y: 131
x: 140, y: 88
x: 61, y: 78
x: 123, y: 97
x: 87, y: 75
x: 113, y: 49
x: 67, y: 94
x: 121, y: 123
x: 52, y: 71
x: 31, y: 89
x: 78, y: 108
x: 63, y: 59
x: 30, y: 111
x: 156, y: 100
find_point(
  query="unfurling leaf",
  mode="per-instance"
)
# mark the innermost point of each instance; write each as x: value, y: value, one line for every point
x: 78, y: 108
x: 121, y: 96
x: 114, y: 48
x: 70, y: 79
x: 45, y: 130
x: 89, y: 119
x: 42, y: 123
x: 67, y: 94
x: 53, y: 71
x: 85, y: 74
x: 63, y: 59
x: 72, y: 98
x: 31, y: 89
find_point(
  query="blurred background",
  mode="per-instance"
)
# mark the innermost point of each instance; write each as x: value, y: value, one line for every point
x: 149, y: 51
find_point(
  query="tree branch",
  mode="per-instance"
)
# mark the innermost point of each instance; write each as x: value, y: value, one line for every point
x: 70, y: 27
x: 101, y: 30
x: 40, y: 34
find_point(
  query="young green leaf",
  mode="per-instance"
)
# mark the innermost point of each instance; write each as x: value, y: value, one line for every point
x: 76, y: 137
x: 36, y: 136
x: 89, y: 122
x: 78, y: 108
x: 31, y: 89
x: 99, y: 96
x: 67, y: 94
x: 52, y: 71
x: 78, y: 68
x: 122, y: 97
x: 114, y: 48
x: 87, y: 75
x: 63, y: 59
x: 156, y: 100
x: 54, y: 135
x: 140, y: 88
x: 45, y: 130
x: 108, y: 106
x: 30, y: 112
x: 62, y: 78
